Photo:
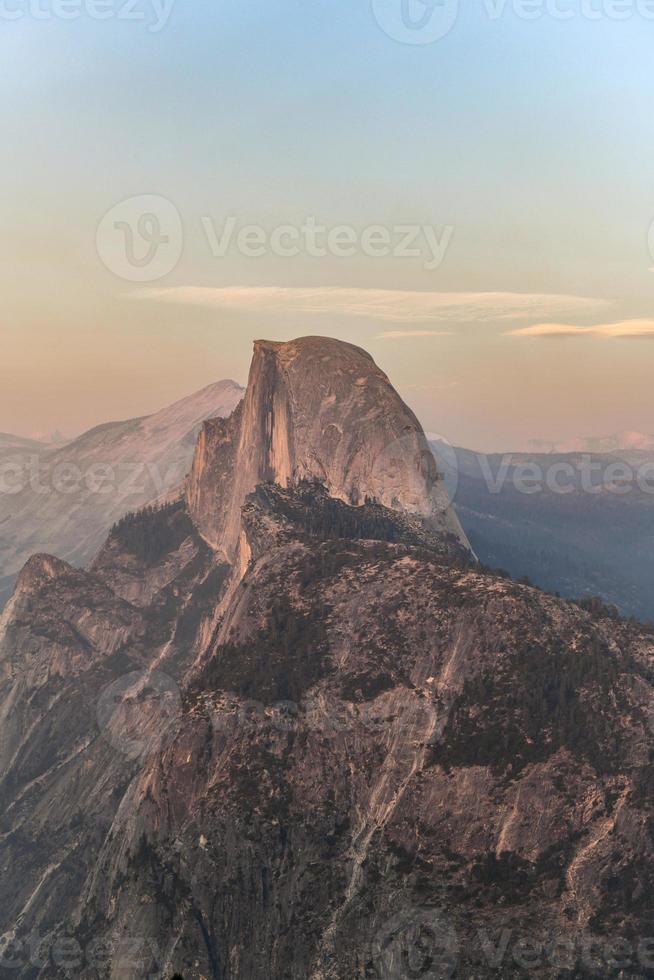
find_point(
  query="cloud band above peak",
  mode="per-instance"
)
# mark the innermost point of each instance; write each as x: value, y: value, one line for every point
x: 624, y: 329
x: 398, y: 306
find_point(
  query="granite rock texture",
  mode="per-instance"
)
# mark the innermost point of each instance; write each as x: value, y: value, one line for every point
x: 315, y: 408
x: 319, y: 741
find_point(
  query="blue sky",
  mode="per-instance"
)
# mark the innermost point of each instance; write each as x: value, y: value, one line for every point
x: 531, y: 140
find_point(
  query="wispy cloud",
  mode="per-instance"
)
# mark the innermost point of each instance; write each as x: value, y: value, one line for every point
x: 624, y: 329
x: 403, y: 306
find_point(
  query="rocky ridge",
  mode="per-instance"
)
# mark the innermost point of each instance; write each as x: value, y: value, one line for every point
x: 319, y: 409
x: 64, y: 499
x: 347, y: 752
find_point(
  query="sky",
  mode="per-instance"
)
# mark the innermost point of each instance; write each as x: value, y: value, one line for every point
x: 465, y: 191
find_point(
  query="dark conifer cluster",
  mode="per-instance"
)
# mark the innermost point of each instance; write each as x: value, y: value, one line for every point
x: 151, y: 533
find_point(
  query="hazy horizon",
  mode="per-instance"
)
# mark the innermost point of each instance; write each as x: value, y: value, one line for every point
x: 549, y: 441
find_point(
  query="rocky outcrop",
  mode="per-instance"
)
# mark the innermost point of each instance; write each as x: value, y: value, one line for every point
x: 89, y: 685
x: 315, y: 408
x: 368, y: 758
x: 381, y: 735
x: 65, y: 499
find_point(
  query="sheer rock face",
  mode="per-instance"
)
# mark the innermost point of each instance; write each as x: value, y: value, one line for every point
x: 315, y: 408
x: 71, y: 647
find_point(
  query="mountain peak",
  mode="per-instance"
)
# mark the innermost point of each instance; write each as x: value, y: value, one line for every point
x: 315, y: 408
x: 40, y: 572
x: 314, y: 344
x: 144, y: 458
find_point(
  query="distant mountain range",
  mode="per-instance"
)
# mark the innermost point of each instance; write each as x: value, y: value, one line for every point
x: 64, y: 499
x: 578, y: 524
x: 620, y: 443
x: 13, y: 444
x: 574, y: 543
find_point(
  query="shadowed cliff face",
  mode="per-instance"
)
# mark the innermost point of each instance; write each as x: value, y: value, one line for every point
x: 319, y: 409
x: 354, y: 755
